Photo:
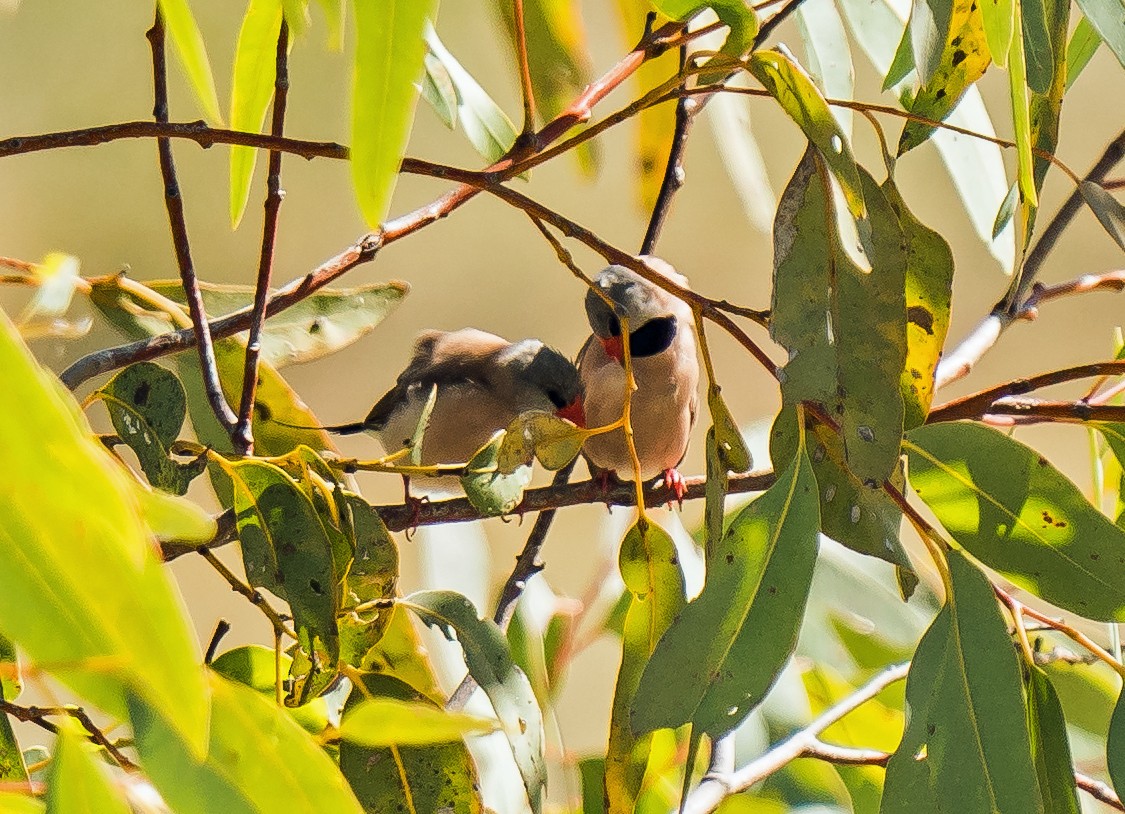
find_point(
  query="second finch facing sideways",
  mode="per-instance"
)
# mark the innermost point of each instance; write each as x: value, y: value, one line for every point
x: 665, y: 366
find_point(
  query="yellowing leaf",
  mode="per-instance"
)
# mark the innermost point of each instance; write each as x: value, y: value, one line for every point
x: 193, y: 55
x: 390, y: 722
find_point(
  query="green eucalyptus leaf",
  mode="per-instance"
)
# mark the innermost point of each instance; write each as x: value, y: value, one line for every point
x: 185, y: 35
x: 1013, y: 511
x: 828, y: 54
x: 1006, y: 211
x: 175, y: 519
x: 258, y: 668
x: 1050, y: 746
x: 107, y: 618
x: 1106, y: 17
x: 725, y: 650
x: 389, y: 59
x: 490, y: 664
x: 1045, y: 24
x: 255, y: 62
x: 966, y: 745
x: 296, y: 15
x: 1021, y: 117
x: 1115, y: 745
x: 491, y: 490
x: 389, y: 722
x: 11, y: 678
x: 12, y: 766
x: 999, y: 18
x: 931, y: 22
x: 76, y: 782
x: 373, y: 575
x: 1083, y: 45
x: 714, y: 495
x: 438, y: 777
x: 731, y: 445
x: 438, y: 91
x: 737, y: 16
x: 15, y: 803
x: 1109, y: 211
x: 654, y: 584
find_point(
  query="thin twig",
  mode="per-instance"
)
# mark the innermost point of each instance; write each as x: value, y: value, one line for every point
x: 243, y: 437
x: 253, y: 596
x: 39, y: 715
x: 674, y: 176
x: 526, y: 88
x: 1036, y: 411
x: 173, y: 200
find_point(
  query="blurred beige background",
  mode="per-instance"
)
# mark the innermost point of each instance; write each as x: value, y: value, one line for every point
x: 68, y: 65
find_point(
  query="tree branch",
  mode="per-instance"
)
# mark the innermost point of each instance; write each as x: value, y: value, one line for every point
x: 243, y: 435
x: 39, y: 715
x: 175, y: 205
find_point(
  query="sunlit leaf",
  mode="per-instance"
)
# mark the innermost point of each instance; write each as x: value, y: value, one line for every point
x: 1083, y: 45
x: 334, y: 13
x: 931, y: 22
x: 1050, y: 747
x: 107, y: 619
x: 725, y: 650
x: 1109, y: 211
x: 14, y: 803
x: 1106, y: 18
x: 962, y: 62
x: 57, y: 277
x: 12, y: 768
x: 296, y: 15
x: 389, y: 722
x: 828, y: 55
x: 654, y: 585
x: 491, y: 490
x: 999, y: 22
x: 255, y: 59
x: 1012, y: 510
x: 76, y: 782
x: 490, y: 664
x: 966, y: 745
x: 1021, y: 117
x: 258, y: 759
x: 11, y: 679
x: 737, y: 16
x: 389, y: 58
x: 799, y: 97
x: 174, y: 518
x: 439, y: 777
x: 193, y: 55
x: 257, y: 667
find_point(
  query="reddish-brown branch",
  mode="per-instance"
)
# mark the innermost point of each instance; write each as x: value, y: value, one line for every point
x: 243, y: 435
x: 173, y: 201
x: 39, y: 716
x: 1034, y: 411
x: 524, y: 69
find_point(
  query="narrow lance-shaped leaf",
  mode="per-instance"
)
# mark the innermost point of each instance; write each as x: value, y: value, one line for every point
x: 334, y: 13
x: 185, y: 35
x: 1047, y: 81
x: 654, y: 585
x: 1115, y: 745
x: 1081, y: 49
x: 1108, y: 19
x: 1000, y: 20
x: 725, y: 650
x: 966, y: 745
x: 387, y: 722
x: 1109, y: 211
x: 1012, y: 510
x: 107, y: 619
x: 828, y: 55
x: 1050, y: 747
x: 388, y: 63
x: 76, y: 782
x: 255, y: 60
x: 438, y: 777
x: 490, y: 664
x: 1021, y: 117
x: 930, y: 24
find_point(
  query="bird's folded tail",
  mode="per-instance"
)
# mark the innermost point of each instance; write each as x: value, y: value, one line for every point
x: 338, y: 429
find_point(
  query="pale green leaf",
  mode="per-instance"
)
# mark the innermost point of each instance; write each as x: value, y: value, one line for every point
x: 174, y: 518
x: 490, y: 664
x: 491, y: 490
x: 107, y: 619
x: 725, y: 650
x: 257, y: 667
x: 1021, y: 116
x: 79, y: 784
x: 930, y: 24
x: 1011, y: 509
x: 736, y: 15
x: 388, y: 64
x: 1109, y: 211
x: 1108, y: 19
x: 14, y: 803
x: 389, y: 722
x: 438, y: 91
x: 255, y: 60
x: 185, y: 34
x: 1083, y: 45
x: 334, y: 13
x: 999, y: 23
x: 296, y: 15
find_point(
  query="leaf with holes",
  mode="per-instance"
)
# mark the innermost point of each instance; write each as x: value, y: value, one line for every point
x: 725, y: 650
x: 490, y: 664
x: 1013, y: 511
x: 966, y: 745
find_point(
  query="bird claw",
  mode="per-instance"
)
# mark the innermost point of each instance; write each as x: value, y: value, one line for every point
x: 415, y: 504
x: 674, y: 482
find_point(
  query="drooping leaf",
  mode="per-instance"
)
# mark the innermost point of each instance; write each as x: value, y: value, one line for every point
x: 1050, y: 746
x: 490, y: 664
x: 1047, y: 81
x: 845, y: 331
x: 255, y: 59
x: 107, y: 619
x: 239, y: 774
x: 731, y: 445
x: 486, y: 125
x: 438, y: 777
x: 1109, y: 211
x: 931, y: 22
x: 389, y: 58
x: 258, y: 668
x: 1115, y: 745
x: 1000, y: 22
x: 147, y: 407
x: 491, y: 490
x: 185, y: 35
x: 1011, y: 509
x: 334, y: 13
x: 737, y: 16
x: 654, y: 586
x: 1106, y: 16
x: 725, y: 650
x: 1021, y: 117
x: 389, y: 722
x: 1083, y: 44
x: 828, y: 55
x: 373, y: 575
x: 963, y: 61
x: 966, y: 745
x: 77, y: 784
x: 799, y: 98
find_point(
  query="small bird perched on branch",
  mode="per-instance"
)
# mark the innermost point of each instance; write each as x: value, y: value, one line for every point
x: 483, y: 383
x: 662, y: 345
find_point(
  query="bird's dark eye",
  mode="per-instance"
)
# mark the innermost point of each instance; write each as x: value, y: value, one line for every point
x: 556, y: 399
x: 653, y: 337
x: 614, y: 325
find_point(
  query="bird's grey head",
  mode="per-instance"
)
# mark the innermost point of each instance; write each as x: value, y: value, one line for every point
x: 652, y: 322
x: 550, y: 376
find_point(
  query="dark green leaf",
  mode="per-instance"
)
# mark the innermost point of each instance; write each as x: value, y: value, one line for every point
x: 1040, y: 41
x: 966, y: 747
x: 389, y: 58
x: 962, y: 62
x: 106, y: 619
x: 490, y: 490
x: 438, y: 778
x: 252, y: 88
x: 193, y: 55
x: 845, y: 331
x: 724, y: 651
x: 11, y: 680
x: 1108, y: 19
x: 258, y: 759
x: 715, y: 492
x: 1012, y: 510
x: 1083, y: 44
x: 373, y: 575
x: 1006, y: 211
x: 929, y: 289
x: 654, y: 586
x: 1050, y: 747
x: 1115, y: 746
x: 490, y: 664
x: 799, y: 97
x: 930, y: 24
x: 12, y: 768
x: 1109, y: 211
x: 77, y: 783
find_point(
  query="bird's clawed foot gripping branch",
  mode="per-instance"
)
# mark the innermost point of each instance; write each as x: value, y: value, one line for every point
x: 346, y: 697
